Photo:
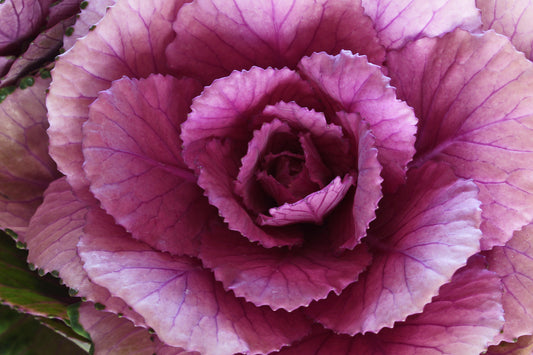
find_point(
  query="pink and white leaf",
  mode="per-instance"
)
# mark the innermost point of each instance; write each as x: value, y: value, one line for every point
x: 114, y: 48
x: 215, y: 37
x: 348, y: 83
x: 280, y: 278
x: 401, y: 21
x: 462, y: 319
x: 88, y: 17
x: 511, y: 18
x: 513, y: 262
x: 132, y: 151
x: 52, y: 237
x: 112, y: 335
x: 179, y: 299
x: 474, y: 99
x: 422, y: 235
x: 311, y: 209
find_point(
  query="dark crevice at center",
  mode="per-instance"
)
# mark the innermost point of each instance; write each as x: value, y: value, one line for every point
x: 283, y: 166
x: 282, y: 173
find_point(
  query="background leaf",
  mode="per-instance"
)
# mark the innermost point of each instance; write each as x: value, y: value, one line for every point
x: 23, y: 289
x: 51, y: 312
x: 22, y: 334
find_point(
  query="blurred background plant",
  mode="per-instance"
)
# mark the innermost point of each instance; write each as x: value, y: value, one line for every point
x: 38, y: 315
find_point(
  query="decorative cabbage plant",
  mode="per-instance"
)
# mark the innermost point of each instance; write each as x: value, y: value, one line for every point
x: 279, y: 177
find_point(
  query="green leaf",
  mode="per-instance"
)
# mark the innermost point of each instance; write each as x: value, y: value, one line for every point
x: 41, y: 296
x: 21, y: 334
x: 65, y: 330
x: 24, y: 289
x: 74, y: 318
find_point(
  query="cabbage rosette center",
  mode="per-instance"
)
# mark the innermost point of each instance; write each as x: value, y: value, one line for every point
x: 271, y: 164
x: 286, y: 164
x: 292, y: 172
x: 282, y: 168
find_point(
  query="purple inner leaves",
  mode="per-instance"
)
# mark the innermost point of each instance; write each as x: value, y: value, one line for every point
x: 285, y: 164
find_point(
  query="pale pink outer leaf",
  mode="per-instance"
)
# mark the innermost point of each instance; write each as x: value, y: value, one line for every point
x: 20, y: 19
x: 132, y: 151
x: 511, y: 18
x: 112, y: 335
x: 179, y: 299
x: 215, y: 37
x: 462, y: 319
x: 280, y: 278
x: 115, y: 48
x: 52, y: 237
x: 423, y: 234
x: 401, y: 21
x: 91, y: 15
x: 25, y: 167
x: 514, y: 264
x: 311, y: 209
x: 163, y: 349
x: 474, y: 99
x: 351, y: 84
x: 522, y: 346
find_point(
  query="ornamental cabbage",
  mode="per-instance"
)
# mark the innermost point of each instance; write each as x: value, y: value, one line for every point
x: 290, y: 177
